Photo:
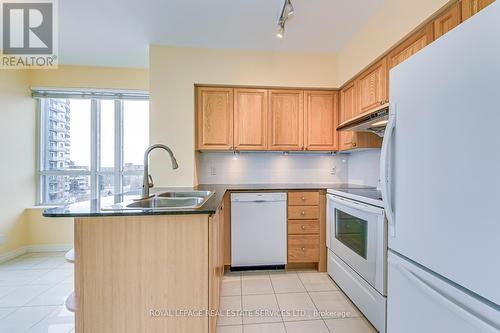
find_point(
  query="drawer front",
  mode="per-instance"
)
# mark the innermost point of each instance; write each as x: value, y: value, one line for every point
x: 303, y: 248
x: 303, y: 227
x: 303, y: 212
x: 303, y: 198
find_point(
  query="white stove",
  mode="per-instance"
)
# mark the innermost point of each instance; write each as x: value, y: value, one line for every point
x: 357, y: 249
x: 369, y: 195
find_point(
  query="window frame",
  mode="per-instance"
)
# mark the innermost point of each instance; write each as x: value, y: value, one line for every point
x: 95, y: 145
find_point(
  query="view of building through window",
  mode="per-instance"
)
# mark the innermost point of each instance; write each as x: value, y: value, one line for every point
x: 91, y: 148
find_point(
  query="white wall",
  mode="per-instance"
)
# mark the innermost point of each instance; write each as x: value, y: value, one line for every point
x: 263, y: 168
x: 174, y: 71
x: 363, y: 167
x: 391, y: 23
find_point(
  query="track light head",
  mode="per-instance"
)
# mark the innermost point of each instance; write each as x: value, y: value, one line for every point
x: 286, y: 12
x: 281, y: 31
x: 289, y: 10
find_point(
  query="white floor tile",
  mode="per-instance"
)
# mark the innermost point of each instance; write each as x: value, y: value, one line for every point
x: 349, y: 325
x: 20, y: 277
x: 4, y: 312
x: 231, y: 286
x: 230, y: 311
x: 54, y: 276
x: 260, y: 309
x: 256, y: 285
x: 56, y: 295
x: 297, y: 306
x: 315, y: 326
x: 22, y: 295
x: 24, y: 318
x: 317, y: 282
x: 59, y: 321
x: 265, y: 328
x: 229, y: 329
x: 287, y: 283
x: 333, y: 304
x: 6, y: 290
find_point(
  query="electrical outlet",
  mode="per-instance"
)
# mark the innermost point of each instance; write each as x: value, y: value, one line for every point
x: 2, y: 239
x: 333, y: 171
x: 213, y: 171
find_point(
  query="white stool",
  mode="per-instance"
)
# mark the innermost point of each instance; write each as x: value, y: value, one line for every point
x: 70, y: 302
x: 70, y: 256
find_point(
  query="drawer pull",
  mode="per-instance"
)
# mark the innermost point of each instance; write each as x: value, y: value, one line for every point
x: 303, y: 227
x: 303, y: 249
x: 302, y: 213
x: 303, y: 198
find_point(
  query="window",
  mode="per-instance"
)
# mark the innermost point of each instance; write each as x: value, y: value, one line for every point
x: 91, y: 144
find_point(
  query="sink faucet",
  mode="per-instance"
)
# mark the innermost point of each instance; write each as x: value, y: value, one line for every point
x: 147, y: 179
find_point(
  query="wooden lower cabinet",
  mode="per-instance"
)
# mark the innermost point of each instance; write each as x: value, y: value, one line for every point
x: 215, y: 264
x: 132, y: 273
x: 303, y: 248
x: 306, y: 228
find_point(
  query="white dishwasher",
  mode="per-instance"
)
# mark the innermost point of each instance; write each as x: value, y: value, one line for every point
x: 258, y: 230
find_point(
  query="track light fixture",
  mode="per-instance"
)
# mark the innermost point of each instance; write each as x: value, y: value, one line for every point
x: 286, y: 12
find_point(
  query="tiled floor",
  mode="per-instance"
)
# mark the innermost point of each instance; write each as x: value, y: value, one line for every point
x: 33, y: 288
x: 291, y: 302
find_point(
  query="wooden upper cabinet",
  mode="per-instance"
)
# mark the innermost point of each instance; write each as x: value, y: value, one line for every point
x: 411, y: 45
x: 447, y: 20
x: 286, y: 119
x: 348, y: 109
x: 372, y: 87
x: 250, y: 119
x: 321, y: 120
x: 214, y: 118
x: 472, y: 7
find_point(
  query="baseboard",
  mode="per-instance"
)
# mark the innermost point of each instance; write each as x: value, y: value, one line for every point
x: 49, y: 247
x: 34, y: 248
x: 13, y: 254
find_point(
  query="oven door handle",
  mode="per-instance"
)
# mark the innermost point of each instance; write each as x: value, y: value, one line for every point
x: 357, y: 206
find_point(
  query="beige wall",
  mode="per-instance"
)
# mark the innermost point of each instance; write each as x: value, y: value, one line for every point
x: 17, y: 151
x: 174, y: 71
x: 20, y: 223
x: 91, y: 77
x: 391, y: 23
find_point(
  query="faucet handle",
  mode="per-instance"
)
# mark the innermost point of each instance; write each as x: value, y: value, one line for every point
x: 150, y: 182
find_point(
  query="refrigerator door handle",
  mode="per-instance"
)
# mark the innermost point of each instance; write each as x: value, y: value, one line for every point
x: 446, y: 299
x: 385, y: 180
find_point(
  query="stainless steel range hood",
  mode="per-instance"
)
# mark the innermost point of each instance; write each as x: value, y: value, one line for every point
x: 373, y: 121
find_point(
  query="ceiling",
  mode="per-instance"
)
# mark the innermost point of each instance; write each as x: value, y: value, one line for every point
x: 118, y: 32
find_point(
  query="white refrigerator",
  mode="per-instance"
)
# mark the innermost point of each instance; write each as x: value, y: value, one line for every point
x: 440, y: 179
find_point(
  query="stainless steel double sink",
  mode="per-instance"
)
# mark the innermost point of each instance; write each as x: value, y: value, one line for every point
x: 166, y: 201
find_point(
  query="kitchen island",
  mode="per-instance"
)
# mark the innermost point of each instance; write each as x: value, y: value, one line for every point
x: 147, y: 270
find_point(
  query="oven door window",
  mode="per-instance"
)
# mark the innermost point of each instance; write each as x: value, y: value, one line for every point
x: 352, y: 232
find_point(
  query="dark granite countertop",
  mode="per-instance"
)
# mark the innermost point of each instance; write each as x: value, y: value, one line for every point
x: 94, y: 208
